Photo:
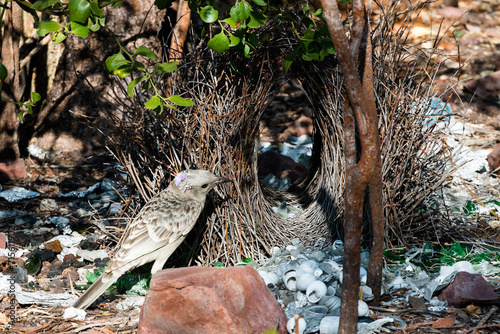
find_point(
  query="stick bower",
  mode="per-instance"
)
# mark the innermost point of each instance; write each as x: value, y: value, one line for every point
x: 221, y: 133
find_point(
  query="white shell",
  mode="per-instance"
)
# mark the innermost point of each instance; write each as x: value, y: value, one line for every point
x: 363, y: 309
x: 315, y: 291
x: 290, y: 325
x: 330, y: 300
x: 367, y: 293
x: 269, y: 277
x: 308, y: 266
x: 304, y: 280
x: 329, y: 325
x: 290, y: 280
x: 284, y: 268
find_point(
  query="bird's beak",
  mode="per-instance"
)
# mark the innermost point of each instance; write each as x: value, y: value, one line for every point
x: 222, y: 180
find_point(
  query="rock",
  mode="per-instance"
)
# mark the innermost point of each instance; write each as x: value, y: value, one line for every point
x: 468, y: 288
x: 494, y: 160
x: 48, y: 204
x: 54, y: 246
x: 281, y: 166
x: 210, y: 300
x: 487, y: 88
x: 20, y: 275
x: 71, y: 273
x: 12, y: 169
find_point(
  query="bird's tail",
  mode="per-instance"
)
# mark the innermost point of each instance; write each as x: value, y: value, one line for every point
x: 96, y: 289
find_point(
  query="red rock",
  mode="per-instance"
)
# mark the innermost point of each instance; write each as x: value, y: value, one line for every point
x: 487, y: 88
x: 209, y: 300
x: 3, y: 240
x: 281, y: 166
x: 494, y: 160
x: 468, y: 288
x: 12, y: 169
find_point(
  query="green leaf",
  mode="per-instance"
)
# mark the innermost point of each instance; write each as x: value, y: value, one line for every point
x: 94, y: 6
x: 319, y: 13
x: 116, y: 61
x: 219, y: 264
x: 42, y: 4
x: 290, y: 58
x: 256, y: 19
x: 153, y: 102
x: 133, y: 83
x: 3, y: 72
x: 241, y: 11
x: 79, y: 11
x: 79, y: 30
x: 208, y: 14
x: 145, y: 52
x: 231, y: 22
x: 180, y: 101
x: 94, y: 26
x: 45, y: 27
x: 58, y: 37
x: 162, y: 4
x: 140, y: 66
x: 166, y: 67
x: 261, y: 3
x: 123, y: 71
x: 234, y: 40
x: 219, y: 43
x: 35, y: 97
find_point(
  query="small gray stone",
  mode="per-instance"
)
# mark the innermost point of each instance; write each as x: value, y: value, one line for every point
x: 48, y: 204
x: 20, y: 275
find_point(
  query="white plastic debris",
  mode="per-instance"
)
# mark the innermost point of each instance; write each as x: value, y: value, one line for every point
x: 37, y: 152
x: 80, y: 193
x: 329, y: 325
x: 290, y: 325
x: 17, y: 193
x: 131, y: 302
x: 374, y: 326
x: 91, y: 255
x: 68, y: 240
x: 72, y: 313
x: 45, y: 299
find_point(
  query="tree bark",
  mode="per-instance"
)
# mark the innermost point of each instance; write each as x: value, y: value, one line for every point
x: 13, y: 87
x: 360, y: 118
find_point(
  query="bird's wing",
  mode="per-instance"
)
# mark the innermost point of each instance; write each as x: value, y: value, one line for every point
x: 172, y: 224
x: 155, y: 228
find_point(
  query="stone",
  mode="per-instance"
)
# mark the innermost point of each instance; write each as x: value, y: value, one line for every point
x: 487, y: 88
x: 468, y: 288
x: 54, y: 246
x: 12, y: 169
x: 281, y: 166
x: 210, y: 300
x: 48, y: 204
x: 494, y: 160
x: 71, y: 273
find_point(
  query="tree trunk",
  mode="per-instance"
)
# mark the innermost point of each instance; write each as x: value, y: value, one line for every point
x: 12, y: 90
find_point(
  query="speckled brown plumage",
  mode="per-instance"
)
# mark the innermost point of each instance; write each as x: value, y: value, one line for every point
x: 157, y: 230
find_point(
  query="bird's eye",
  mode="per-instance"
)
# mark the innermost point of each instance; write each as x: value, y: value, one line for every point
x: 204, y: 186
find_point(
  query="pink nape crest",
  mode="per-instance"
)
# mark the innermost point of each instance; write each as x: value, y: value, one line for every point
x: 179, y: 178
